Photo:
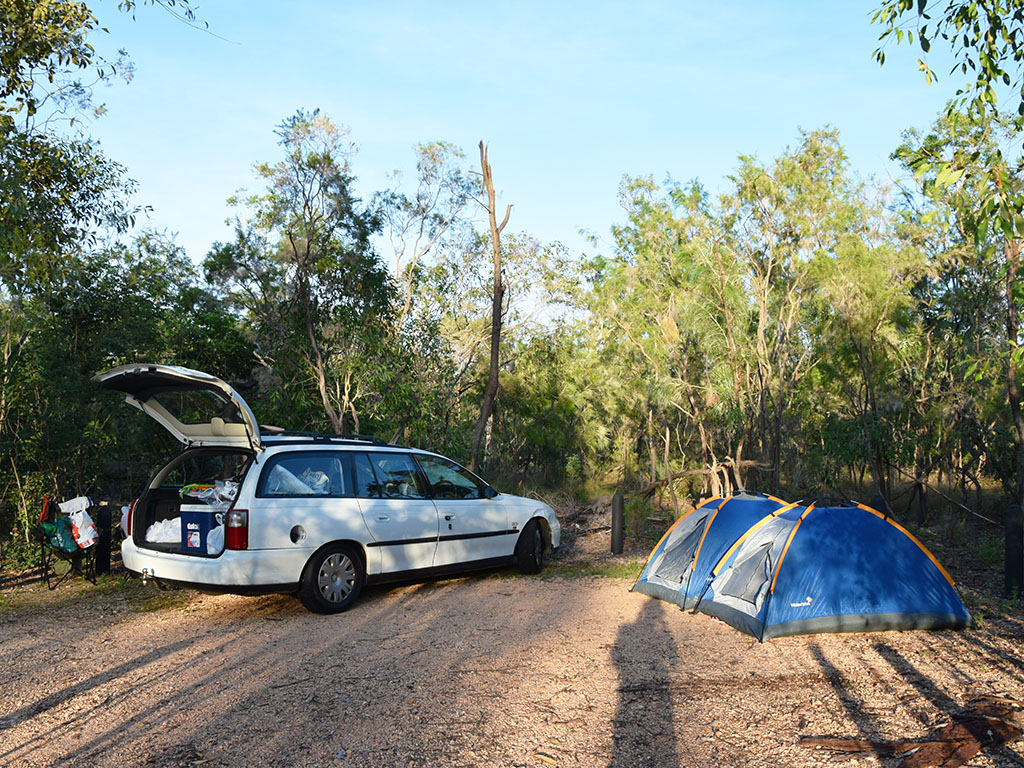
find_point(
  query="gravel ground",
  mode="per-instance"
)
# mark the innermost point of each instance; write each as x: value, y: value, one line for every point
x: 488, y: 670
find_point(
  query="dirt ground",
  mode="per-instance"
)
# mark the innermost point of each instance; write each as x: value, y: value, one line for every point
x: 488, y: 670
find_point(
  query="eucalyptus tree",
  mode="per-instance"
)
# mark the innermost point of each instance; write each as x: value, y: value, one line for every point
x: 865, y: 332
x: 435, y: 249
x: 57, y: 189
x: 711, y: 320
x: 431, y: 219
x: 484, y: 420
x: 781, y: 216
x: 986, y: 40
x: 664, y: 306
x: 979, y: 283
x: 303, y: 268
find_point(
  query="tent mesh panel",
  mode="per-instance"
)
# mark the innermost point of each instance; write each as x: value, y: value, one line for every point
x: 745, y: 580
x: 678, y: 558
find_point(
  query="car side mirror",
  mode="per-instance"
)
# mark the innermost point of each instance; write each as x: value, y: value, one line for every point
x: 490, y: 492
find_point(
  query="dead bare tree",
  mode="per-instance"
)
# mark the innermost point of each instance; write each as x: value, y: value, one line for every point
x: 491, y: 391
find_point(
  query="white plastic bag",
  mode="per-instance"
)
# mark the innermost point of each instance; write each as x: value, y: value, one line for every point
x: 215, y: 540
x: 221, y: 496
x: 79, y: 503
x: 165, y: 532
x: 84, y: 529
x: 82, y: 525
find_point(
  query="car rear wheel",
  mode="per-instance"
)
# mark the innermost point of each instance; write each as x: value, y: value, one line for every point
x: 530, y: 548
x: 332, y: 580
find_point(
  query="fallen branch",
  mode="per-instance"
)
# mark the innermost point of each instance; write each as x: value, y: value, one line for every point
x: 988, y: 722
x: 861, y: 746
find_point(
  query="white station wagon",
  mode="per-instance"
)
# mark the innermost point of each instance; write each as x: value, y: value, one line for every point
x: 255, y: 511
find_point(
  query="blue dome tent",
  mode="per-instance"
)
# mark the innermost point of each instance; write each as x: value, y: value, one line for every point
x: 680, y: 566
x: 841, y: 568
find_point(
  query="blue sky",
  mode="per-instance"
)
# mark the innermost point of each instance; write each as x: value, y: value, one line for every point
x: 569, y: 96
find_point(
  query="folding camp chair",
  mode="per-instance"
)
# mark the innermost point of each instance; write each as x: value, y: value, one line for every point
x: 60, y: 555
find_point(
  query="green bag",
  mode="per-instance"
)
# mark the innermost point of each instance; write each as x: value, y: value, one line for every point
x: 56, y: 527
x: 59, y: 534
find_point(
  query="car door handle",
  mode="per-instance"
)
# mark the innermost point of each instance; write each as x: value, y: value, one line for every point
x: 448, y: 517
x: 383, y: 517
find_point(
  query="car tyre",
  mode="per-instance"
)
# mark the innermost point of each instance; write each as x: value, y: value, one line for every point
x: 332, y: 579
x: 530, y: 548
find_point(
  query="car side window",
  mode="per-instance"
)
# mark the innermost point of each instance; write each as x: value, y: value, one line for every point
x: 397, y: 476
x: 366, y: 483
x: 448, y: 480
x: 304, y: 474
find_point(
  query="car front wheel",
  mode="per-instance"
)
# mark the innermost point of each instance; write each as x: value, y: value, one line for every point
x: 332, y: 580
x: 530, y: 548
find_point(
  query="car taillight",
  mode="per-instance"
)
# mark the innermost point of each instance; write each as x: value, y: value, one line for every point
x: 131, y: 513
x: 236, y: 531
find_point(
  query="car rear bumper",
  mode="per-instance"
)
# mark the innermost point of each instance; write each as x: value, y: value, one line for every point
x: 231, y: 569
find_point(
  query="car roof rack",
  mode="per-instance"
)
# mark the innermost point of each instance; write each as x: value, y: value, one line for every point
x: 324, y: 436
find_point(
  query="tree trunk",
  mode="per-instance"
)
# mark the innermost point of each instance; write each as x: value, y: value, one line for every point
x: 651, y: 450
x: 737, y: 471
x: 318, y: 372
x: 668, y: 474
x: 316, y: 361
x: 1012, y: 251
x: 491, y: 391
x: 713, y: 477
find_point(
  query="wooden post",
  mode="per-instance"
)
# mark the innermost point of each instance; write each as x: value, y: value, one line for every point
x: 1014, y: 566
x: 618, y: 523
x: 103, y: 543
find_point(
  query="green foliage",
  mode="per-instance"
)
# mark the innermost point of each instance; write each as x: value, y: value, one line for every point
x: 99, y: 310
x: 605, y: 569
x: 637, y: 515
x: 713, y: 324
x: 970, y: 302
x: 991, y: 552
x: 573, y: 469
x: 55, y: 194
x: 19, y: 555
x: 987, y: 41
x: 799, y: 331
x: 45, y: 53
x: 43, y: 41
x: 986, y: 38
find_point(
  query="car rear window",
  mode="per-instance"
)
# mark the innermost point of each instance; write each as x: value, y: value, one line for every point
x: 198, y: 406
x: 303, y: 474
x: 204, y: 466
